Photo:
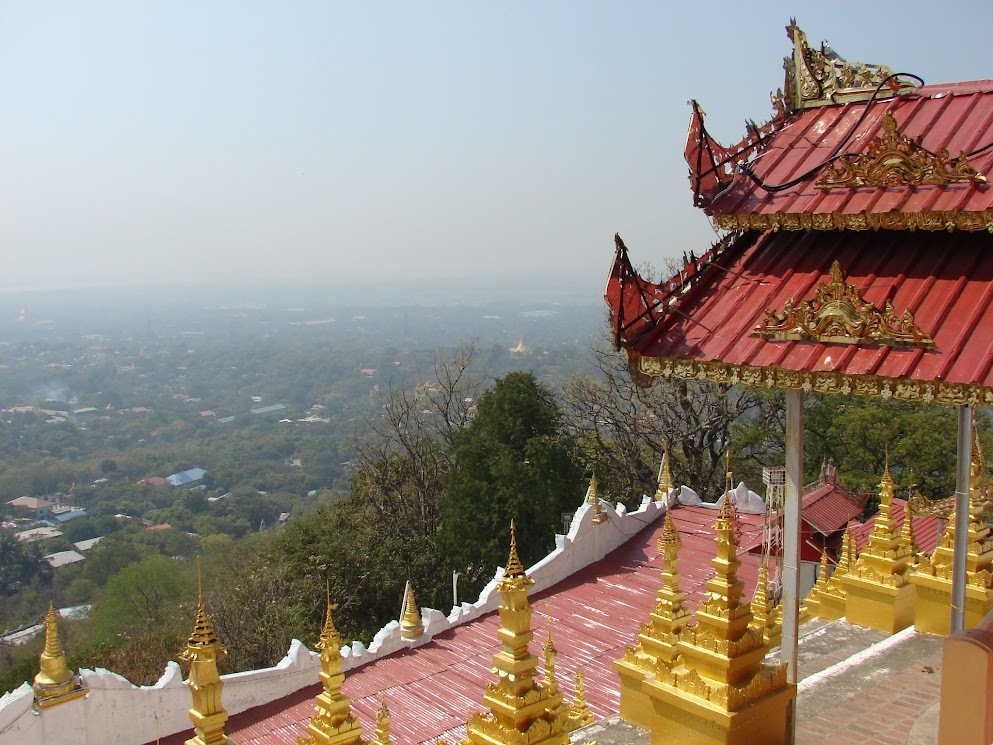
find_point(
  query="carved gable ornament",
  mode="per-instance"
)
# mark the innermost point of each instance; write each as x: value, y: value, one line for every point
x: 821, y: 77
x: 893, y: 159
x: 839, y: 315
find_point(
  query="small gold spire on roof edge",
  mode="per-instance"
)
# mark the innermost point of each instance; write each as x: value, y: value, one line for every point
x: 592, y: 498
x: 202, y: 652
x: 550, y: 652
x: 383, y: 725
x: 666, y: 484
x: 411, y: 626
x: 579, y: 711
x: 54, y: 683
x: 669, y: 537
x: 514, y: 568
x: 727, y: 511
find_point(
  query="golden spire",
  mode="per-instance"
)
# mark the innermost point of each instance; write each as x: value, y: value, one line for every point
x: 763, y: 608
x: 383, y: 725
x: 907, y: 532
x: 669, y: 537
x: 517, y: 703
x: 591, y: 494
x: 514, y: 572
x: 727, y: 509
x: 593, y: 499
x: 411, y: 626
x: 658, y: 638
x: 812, y: 602
x: 202, y: 652
x: 550, y: 653
x: 579, y: 712
x: 55, y: 683
x: 332, y: 723
x: 878, y: 593
x: 666, y: 484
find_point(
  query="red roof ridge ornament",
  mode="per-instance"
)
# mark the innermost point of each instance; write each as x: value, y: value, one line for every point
x: 823, y: 78
x: 893, y: 159
x: 839, y: 315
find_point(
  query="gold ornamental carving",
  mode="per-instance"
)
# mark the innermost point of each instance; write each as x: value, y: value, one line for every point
x: 955, y: 394
x: 839, y: 315
x: 820, y: 77
x: 893, y: 159
x: 950, y: 220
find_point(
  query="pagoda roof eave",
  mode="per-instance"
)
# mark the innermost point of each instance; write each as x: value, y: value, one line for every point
x: 705, y: 330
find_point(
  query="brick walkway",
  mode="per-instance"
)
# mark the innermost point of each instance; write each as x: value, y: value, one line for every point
x: 877, y: 701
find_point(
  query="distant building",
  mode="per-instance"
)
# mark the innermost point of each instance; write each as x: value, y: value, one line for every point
x: 268, y: 409
x: 521, y: 350
x: 87, y: 544
x: 64, y: 514
x: 38, y: 534
x: 190, y: 477
x: 38, y: 505
x: 63, y: 558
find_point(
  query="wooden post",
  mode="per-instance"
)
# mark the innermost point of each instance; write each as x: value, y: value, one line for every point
x: 791, y: 542
x: 962, y: 468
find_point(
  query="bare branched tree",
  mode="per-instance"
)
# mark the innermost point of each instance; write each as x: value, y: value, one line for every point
x: 621, y: 426
x: 402, y: 462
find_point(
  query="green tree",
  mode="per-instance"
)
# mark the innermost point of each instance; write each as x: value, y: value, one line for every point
x: 513, y: 461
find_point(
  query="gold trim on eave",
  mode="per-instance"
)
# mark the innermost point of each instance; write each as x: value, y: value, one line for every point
x: 893, y: 159
x: 643, y: 369
x: 950, y: 220
x: 838, y: 314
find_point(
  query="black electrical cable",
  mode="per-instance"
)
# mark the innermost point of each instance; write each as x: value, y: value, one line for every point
x: 836, y: 153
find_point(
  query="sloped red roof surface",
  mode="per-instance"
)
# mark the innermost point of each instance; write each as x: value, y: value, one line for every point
x: 945, y: 280
x: 927, y: 530
x: 957, y: 117
x: 829, y: 508
x: 431, y: 690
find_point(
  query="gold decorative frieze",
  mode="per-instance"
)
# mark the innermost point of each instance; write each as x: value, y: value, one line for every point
x: 950, y: 220
x: 773, y: 376
x: 893, y: 159
x: 819, y: 77
x: 838, y: 314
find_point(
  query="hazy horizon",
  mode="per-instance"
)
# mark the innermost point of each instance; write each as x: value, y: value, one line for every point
x: 468, y: 146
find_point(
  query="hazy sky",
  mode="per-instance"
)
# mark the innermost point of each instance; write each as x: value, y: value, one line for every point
x: 149, y: 143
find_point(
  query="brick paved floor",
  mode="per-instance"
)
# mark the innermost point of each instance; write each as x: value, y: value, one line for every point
x: 875, y: 701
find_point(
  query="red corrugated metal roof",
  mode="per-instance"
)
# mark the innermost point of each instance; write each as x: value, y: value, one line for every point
x: 945, y: 280
x: 957, y: 117
x: 598, y: 611
x: 829, y: 508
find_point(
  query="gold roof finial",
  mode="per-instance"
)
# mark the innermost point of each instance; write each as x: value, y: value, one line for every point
x: 332, y: 722
x: 202, y: 652
x: 411, y: 626
x: 383, y: 725
x: 550, y: 651
x: 514, y: 568
x: 519, y: 707
x: 669, y: 537
x: 55, y: 683
x: 907, y: 531
x: 203, y: 632
x: 666, y: 484
x: 592, y: 498
x: 579, y: 712
x: 727, y: 507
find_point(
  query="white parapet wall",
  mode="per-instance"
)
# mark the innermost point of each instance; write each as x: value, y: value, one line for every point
x: 117, y: 712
